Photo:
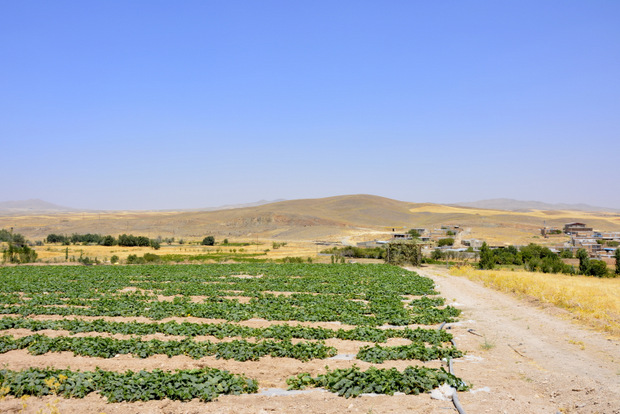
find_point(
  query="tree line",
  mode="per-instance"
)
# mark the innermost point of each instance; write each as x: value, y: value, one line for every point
x: 538, y: 258
x: 127, y: 240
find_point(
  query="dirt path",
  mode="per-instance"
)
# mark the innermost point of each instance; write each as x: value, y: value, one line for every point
x: 531, y: 359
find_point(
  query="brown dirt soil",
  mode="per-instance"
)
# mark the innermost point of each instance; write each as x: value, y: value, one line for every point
x: 532, y: 359
x: 528, y: 359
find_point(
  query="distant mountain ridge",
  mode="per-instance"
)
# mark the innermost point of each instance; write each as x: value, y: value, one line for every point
x: 33, y: 205
x: 330, y: 218
x: 509, y: 204
x: 231, y: 206
x: 38, y: 206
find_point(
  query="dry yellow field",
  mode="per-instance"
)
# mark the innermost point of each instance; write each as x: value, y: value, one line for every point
x: 56, y: 253
x: 592, y: 301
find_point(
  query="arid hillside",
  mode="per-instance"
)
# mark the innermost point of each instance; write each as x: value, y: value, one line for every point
x: 356, y: 217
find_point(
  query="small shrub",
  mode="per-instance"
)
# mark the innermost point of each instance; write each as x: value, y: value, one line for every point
x: 208, y: 241
x: 445, y: 242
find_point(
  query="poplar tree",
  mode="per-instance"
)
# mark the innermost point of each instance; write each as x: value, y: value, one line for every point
x: 486, y: 257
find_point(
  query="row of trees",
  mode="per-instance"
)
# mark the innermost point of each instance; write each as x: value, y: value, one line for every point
x: 357, y: 252
x: 538, y: 258
x: 128, y: 240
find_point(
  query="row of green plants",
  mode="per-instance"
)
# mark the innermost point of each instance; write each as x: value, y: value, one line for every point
x: 351, y: 382
x: 96, y: 346
x: 323, y: 310
x: 228, y: 330
x: 379, y: 354
x: 239, y: 350
x: 206, y: 384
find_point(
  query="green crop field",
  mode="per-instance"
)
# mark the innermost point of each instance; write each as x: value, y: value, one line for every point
x: 102, y: 312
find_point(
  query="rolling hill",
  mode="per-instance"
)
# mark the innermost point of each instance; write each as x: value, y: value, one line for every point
x: 359, y: 217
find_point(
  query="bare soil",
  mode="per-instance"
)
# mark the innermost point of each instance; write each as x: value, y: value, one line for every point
x: 521, y: 358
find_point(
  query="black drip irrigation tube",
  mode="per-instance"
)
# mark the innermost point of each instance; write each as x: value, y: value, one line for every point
x: 455, y: 398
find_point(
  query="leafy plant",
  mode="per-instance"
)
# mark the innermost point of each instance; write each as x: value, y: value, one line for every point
x: 351, y: 382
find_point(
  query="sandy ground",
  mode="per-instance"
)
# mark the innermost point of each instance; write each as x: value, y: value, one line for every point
x: 536, y: 361
x: 527, y: 359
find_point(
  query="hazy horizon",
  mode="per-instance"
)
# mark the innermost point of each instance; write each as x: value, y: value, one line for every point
x: 491, y: 203
x: 151, y: 105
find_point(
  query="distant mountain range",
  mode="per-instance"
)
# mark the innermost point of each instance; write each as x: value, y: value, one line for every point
x: 330, y: 218
x: 38, y: 206
x: 230, y: 206
x: 509, y: 204
x: 32, y: 206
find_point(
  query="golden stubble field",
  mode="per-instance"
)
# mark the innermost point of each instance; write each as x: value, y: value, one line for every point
x: 262, y: 249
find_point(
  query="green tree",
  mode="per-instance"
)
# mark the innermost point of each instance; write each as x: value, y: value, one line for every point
x: 445, y: 242
x: 208, y: 241
x: 55, y: 238
x: 414, y: 233
x: 402, y: 252
x: 437, y: 254
x: 108, y: 241
x: 597, y: 268
x: 617, y: 257
x: 486, y: 257
x: 5, y: 236
x: 19, y: 254
x: 584, y: 261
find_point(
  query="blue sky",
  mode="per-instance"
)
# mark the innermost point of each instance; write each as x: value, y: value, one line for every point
x: 186, y: 104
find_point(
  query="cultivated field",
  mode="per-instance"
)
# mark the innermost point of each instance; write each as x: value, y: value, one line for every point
x: 195, y: 333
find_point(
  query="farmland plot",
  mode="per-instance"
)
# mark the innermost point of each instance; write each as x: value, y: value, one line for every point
x: 196, y: 332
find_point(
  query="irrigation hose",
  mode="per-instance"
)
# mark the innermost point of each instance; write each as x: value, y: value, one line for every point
x: 455, y: 398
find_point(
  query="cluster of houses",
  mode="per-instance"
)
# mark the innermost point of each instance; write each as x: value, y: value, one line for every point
x: 597, y: 243
x: 428, y: 236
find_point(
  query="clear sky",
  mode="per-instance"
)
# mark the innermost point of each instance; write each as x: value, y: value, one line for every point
x: 186, y: 104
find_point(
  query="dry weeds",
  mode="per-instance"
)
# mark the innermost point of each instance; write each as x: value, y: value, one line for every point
x: 592, y: 301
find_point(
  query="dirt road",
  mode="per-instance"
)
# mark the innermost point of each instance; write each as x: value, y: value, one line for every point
x: 532, y: 360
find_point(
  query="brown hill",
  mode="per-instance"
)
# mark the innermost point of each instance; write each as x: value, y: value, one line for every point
x: 360, y: 217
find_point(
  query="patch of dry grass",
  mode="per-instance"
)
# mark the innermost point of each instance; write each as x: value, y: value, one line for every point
x: 593, y: 301
x: 55, y: 253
